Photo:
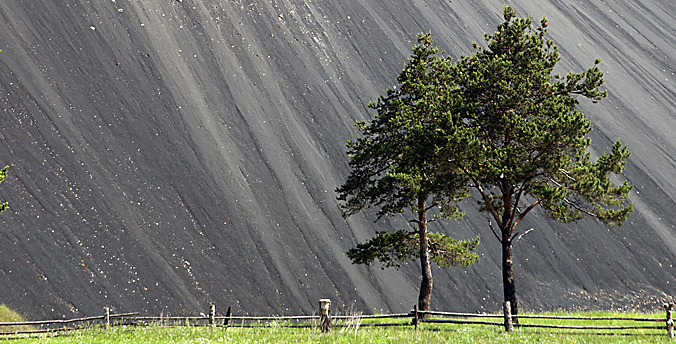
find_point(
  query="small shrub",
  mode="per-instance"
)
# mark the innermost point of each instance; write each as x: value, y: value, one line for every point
x: 8, y: 315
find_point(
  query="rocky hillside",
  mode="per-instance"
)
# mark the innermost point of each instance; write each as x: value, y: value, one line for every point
x: 166, y: 155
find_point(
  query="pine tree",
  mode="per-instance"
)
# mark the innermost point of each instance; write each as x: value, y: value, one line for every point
x: 521, y: 141
x: 396, y: 167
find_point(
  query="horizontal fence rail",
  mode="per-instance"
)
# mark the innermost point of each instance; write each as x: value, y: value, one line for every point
x: 65, y: 321
x: 528, y: 316
x: 468, y: 315
x: 88, y: 320
x: 325, y: 321
x: 549, y: 317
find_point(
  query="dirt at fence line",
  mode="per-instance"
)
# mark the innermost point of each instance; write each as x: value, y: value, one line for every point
x: 641, y: 301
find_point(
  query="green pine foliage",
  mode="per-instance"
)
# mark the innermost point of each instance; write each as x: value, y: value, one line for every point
x: 397, y: 167
x: 500, y: 121
x: 396, y: 162
x: 521, y: 141
x: 393, y: 248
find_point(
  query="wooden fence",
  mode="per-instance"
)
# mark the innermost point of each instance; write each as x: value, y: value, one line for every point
x: 325, y: 321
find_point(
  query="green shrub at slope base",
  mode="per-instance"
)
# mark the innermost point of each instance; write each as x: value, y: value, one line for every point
x: 8, y: 315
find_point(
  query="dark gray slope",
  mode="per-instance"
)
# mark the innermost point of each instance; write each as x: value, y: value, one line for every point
x: 171, y: 154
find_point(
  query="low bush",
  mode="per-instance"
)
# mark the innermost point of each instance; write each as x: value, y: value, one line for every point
x: 8, y: 315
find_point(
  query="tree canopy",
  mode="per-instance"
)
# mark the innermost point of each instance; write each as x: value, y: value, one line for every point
x: 519, y: 138
x: 397, y: 166
x: 499, y: 121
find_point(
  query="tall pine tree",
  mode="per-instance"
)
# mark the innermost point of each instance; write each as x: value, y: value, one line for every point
x: 520, y: 140
x: 396, y: 167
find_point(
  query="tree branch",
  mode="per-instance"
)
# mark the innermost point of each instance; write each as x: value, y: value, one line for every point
x: 515, y: 209
x: 530, y: 207
x: 566, y: 173
x: 572, y: 204
x: 520, y: 236
x: 477, y: 186
x: 490, y: 224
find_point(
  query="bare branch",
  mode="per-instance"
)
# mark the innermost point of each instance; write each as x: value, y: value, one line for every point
x: 515, y: 209
x: 525, y: 212
x: 521, y: 236
x: 572, y: 204
x: 553, y: 181
x: 490, y: 224
x: 567, y: 174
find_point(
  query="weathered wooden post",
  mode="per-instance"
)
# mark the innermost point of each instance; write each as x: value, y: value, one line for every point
x: 325, y: 315
x: 415, y: 317
x: 107, y: 317
x: 507, y: 308
x: 226, y: 322
x: 670, y: 319
x: 212, y: 316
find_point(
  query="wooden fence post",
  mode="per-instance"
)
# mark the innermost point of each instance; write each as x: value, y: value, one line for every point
x: 325, y: 315
x: 507, y: 308
x: 226, y: 322
x: 212, y: 316
x: 670, y: 319
x: 415, y: 316
x: 107, y: 317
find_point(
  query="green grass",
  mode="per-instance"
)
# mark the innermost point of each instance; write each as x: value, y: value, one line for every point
x: 8, y: 315
x: 428, y: 333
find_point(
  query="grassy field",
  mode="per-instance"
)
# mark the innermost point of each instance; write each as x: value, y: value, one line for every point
x: 428, y: 333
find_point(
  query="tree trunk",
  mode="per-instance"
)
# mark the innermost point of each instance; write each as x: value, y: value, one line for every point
x: 509, y: 287
x: 426, y: 283
x: 506, y: 229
